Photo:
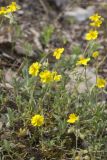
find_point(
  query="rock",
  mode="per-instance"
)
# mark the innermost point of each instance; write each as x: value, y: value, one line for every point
x: 79, y: 73
x: 1, y: 125
x: 19, y: 49
x: 36, y: 38
x: 22, y: 50
x: 5, y: 34
x: 20, y: 12
x: 6, y: 85
x: 80, y: 14
x: 9, y: 75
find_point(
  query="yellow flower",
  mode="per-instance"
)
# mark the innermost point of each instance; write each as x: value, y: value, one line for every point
x: 37, y: 120
x: 95, y: 17
x: 72, y: 118
x: 34, y: 69
x: 96, y: 23
x: 12, y: 7
x: 58, y: 52
x: 91, y: 35
x: 9, y: 9
x: 56, y: 77
x: 96, y: 20
x: 2, y: 11
x: 95, y: 54
x: 83, y: 61
x: 101, y: 83
x: 46, y: 76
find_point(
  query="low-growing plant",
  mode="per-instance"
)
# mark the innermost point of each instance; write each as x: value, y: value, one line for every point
x: 43, y: 118
x: 46, y: 34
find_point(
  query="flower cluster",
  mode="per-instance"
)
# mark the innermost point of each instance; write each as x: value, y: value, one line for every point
x: 96, y: 21
x: 91, y: 35
x: 48, y: 76
x: 9, y: 9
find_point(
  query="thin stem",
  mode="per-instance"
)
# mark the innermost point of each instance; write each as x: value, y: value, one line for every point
x: 76, y: 138
x: 86, y: 49
x: 86, y: 81
x: 96, y: 73
x: 44, y: 6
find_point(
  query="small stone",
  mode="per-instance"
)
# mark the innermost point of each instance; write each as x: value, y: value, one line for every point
x: 80, y: 14
x: 79, y: 72
x: 1, y: 125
